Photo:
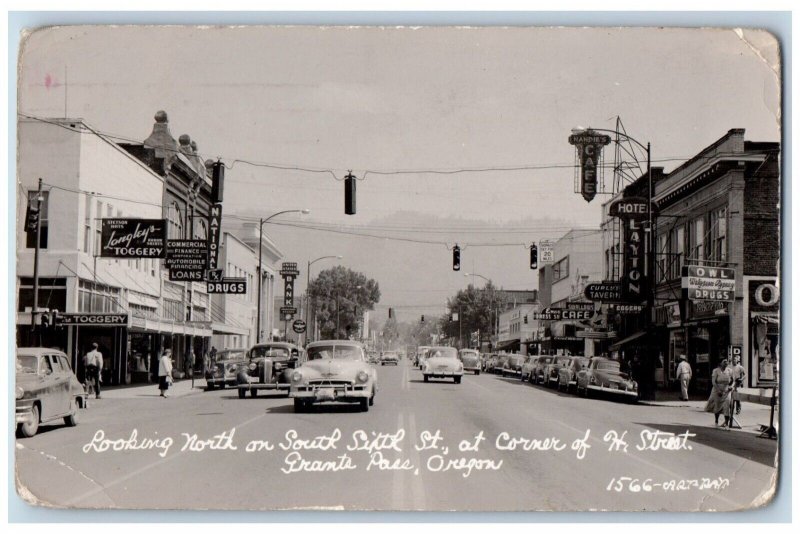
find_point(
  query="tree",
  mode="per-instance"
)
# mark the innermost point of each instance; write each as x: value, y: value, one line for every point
x: 340, y: 296
x: 476, y: 309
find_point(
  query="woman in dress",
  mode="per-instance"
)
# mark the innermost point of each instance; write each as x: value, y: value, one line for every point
x: 165, y: 372
x: 718, y: 401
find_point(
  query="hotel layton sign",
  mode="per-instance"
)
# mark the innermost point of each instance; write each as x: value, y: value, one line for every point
x: 633, y: 212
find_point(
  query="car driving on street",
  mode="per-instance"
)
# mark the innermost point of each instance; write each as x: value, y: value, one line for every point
x: 224, y: 369
x: 267, y: 368
x: 471, y: 360
x: 443, y: 362
x: 389, y: 357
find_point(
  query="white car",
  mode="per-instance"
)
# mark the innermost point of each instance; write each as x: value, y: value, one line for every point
x: 334, y: 371
x: 443, y: 362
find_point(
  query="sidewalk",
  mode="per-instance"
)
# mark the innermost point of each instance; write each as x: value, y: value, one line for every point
x: 752, y: 395
x: 181, y: 388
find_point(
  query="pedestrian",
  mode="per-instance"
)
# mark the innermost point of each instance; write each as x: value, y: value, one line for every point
x: 684, y: 375
x: 165, y: 372
x: 213, y: 356
x: 719, y: 399
x: 738, y: 374
x: 94, y: 366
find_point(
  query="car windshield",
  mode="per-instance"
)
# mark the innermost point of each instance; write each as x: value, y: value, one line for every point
x: 608, y: 366
x: 546, y: 360
x: 443, y: 352
x: 269, y: 352
x: 334, y: 352
x: 562, y: 361
x: 27, y: 364
x: 230, y: 355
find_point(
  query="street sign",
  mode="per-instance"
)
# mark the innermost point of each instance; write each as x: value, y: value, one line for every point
x: 187, y: 259
x: 603, y: 292
x: 299, y: 326
x: 228, y: 286
x: 214, y: 233
x: 546, y: 253
x: 708, y: 283
x: 133, y: 238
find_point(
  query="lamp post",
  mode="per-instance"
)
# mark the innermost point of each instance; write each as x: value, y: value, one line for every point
x: 261, y: 262
x: 308, y: 283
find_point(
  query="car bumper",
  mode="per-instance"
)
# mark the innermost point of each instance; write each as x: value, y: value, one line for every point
x: 255, y: 384
x: 215, y: 381
x: 614, y: 391
x: 443, y: 374
x: 24, y: 414
x: 338, y: 393
x: 472, y: 368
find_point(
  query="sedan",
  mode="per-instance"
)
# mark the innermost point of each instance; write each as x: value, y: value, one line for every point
x: 513, y: 364
x: 537, y: 374
x: 268, y: 368
x: 568, y: 375
x: 390, y: 357
x: 550, y: 377
x: 603, y: 375
x: 443, y: 362
x: 334, y: 371
x: 46, y: 390
x: 224, y: 369
x: 471, y: 360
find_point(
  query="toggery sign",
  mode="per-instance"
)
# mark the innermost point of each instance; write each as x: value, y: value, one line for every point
x: 93, y: 319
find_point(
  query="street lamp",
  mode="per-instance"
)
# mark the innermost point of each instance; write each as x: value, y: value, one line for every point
x: 308, y: 283
x: 261, y: 261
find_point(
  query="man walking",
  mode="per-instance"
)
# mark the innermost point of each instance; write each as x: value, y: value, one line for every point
x: 94, y: 367
x: 738, y: 374
x: 684, y: 375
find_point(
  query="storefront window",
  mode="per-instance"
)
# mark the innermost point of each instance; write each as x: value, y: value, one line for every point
x: 719, y: 233
x: 678, y: 250
x: 52, y: 294
x: 98, y: 298
x: 698, y: 236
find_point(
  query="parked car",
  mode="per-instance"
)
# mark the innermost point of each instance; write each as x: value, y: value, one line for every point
x: 550, y: 377
x: 225, y: 367
x: 390, y: 357
x: 603, y: 375
x: 46, y: 390
x: 443, y: 362
x: 268, y: 367
x: 489, y: 361
x: 567, y: 375
x: 513, y: 364
x: 528, y: 366
x: 537, y: 375
x: 373, y: 356
x: 334, y: 371
x: 499, y: 363
x: 471, y: 360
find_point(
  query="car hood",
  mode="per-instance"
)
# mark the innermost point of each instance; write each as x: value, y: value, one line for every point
x: 436, y: 362
x: 28, y: 381
x: 611, y: 376
x: 327, y: 368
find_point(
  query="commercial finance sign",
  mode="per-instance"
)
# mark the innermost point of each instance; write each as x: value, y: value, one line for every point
x: 133, y: 238
x: 589, y: 145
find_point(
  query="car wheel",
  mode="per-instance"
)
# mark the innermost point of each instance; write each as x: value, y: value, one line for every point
x: 425, y: 378
x: 254, y: 392
x: 364, y: 405
x: 222, y: 385
x: 242, y: 393
x: 372, y: 399
x: 300, y: 405
x: 457, y: 379
x: 29, y: 429
x: 72, y: 418
x: 477, y: 372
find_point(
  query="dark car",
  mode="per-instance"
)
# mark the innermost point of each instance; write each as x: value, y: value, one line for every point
x: 471, y: 359
x: 390, y: 357
x: 267, y: 368
x: 513, y: 364
x: 603, y: 375
x: 567, y: 375
x: 537, y: 374
x: 46, y: 390
x: 550, y: 377
x: 499, y: 363
x: 224, y: 368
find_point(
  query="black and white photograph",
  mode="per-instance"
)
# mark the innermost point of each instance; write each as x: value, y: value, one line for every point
x: 398, y: 268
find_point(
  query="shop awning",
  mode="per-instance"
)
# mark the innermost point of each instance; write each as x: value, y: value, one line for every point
x: 626, y: 340
x: 510, y: 345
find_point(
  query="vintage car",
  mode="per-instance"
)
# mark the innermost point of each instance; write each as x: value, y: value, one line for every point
x: 603, y: 375
x: 489, y: 360
x: 268, y: 367
x: 334, y: 371
x: 389, y: 357
x: 513, y: 364
x: 567, y: 375
x: 46, y: 390
x: 224, y: 368
x: 471, y: 359
x: 443, y: 362
x: 527, y: 367
x: 499, y: 363
x: 550, y: 376
x: 373, y: 356
x: 422, y: 353
x: 541, y: 363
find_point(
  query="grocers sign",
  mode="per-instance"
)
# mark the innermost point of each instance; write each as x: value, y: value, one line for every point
x: 708, y: 283
x: 589, y: 145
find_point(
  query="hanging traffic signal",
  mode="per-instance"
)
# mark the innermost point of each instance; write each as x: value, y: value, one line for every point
x: 456, y: 258
x: 217, y: 181
x: 54, y: 318
x: 391, y: 313
x: 350, y: 194
x: 32, y: 216
x: 422, y: 320
x: 45, y: 320
x: 534, y: 256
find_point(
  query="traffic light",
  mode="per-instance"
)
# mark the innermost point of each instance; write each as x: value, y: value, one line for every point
x: 45, y: 320
x: 217, y: 181
x: 54, y: 318
x: 391, y: 313
x: 534, y: 256
x: 526, y: 319
x: 350, y: 194
x: 32, y: 216
x: 456, y: 258
x: 422, y: 320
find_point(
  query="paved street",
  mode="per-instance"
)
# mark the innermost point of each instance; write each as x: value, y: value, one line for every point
x: 53, y: 467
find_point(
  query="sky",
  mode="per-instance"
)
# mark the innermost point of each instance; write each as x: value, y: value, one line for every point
x: 381, y: 100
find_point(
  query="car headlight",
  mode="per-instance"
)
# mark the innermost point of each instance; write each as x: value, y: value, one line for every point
x: 252, y: 367
x: 460, y: 366
x: 592, y: 380
x: 362, y: 376
x: 19, y: 392
x: 278, y: 366
x: 297, y: 376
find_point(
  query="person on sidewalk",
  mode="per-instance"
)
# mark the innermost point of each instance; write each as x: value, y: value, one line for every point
x: 738, y: 374
x: 719, y: 400
x: 94, y: 366
x: 684, y: 375
x: 165, y: 372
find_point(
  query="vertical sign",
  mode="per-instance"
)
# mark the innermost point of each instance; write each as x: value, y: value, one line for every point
x: 546, y: 255
x: 634, y: 212
x: 589, y: 145
x: 289, y: 272
x: 214, y: 229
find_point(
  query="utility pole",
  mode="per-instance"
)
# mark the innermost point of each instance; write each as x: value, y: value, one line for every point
x: 35, y: 311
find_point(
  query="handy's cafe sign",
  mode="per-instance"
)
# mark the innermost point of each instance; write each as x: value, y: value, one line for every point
x: 589, y: 145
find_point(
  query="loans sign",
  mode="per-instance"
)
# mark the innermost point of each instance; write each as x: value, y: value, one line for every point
x: 589, y: 145
x: 187, y: 259
x: 133, y: 238
x: 708, y: 283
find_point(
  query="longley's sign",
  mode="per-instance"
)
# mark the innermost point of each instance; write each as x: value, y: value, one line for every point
x: 708, y: 283
x: 133, y: 238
